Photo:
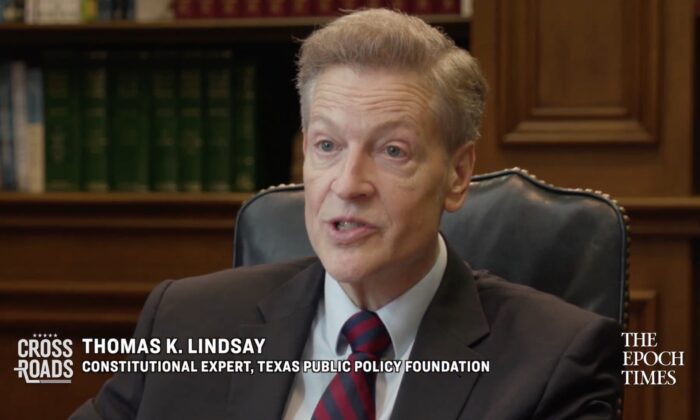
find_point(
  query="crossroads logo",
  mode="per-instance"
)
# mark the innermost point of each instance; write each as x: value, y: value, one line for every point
x: 45, y: 359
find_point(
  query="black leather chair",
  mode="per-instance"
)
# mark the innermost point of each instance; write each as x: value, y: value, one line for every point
x: 570, y: 243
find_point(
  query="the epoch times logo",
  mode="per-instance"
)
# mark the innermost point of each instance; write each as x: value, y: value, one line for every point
x: 45, y: 359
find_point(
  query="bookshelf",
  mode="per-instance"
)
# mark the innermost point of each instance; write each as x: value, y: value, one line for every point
x: 271, y: 43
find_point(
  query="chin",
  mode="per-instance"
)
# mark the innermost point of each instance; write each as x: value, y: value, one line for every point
x: 345, y: 273
x: 347, y: 269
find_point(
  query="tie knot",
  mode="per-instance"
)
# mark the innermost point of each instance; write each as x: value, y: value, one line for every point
x: 366, y: 333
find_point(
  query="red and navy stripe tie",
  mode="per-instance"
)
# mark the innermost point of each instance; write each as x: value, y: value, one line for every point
x: 350, y: 395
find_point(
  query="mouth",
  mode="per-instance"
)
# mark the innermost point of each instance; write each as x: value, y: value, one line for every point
x: 346, y: 230
x: 343, y: 225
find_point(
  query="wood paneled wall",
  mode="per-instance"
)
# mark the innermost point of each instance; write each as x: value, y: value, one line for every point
x: 598, y: 94
x: 589, y: 93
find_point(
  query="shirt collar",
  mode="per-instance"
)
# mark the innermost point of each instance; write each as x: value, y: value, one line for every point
x: 401, y: 316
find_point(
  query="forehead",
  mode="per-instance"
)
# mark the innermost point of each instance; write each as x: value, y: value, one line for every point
x: 370, y: 93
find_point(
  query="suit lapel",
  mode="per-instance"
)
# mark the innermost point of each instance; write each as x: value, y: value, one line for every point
x: 453, y: 322
x: 286, y: 316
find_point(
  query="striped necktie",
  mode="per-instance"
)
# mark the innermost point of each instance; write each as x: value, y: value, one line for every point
x: 350, y: 395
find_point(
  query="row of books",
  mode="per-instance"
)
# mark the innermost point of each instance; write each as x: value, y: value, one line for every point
x: 126, y: 120
x: 191, y: 9
x: 82, y: 11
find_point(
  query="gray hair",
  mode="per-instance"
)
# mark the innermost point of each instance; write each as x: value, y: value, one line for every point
x: 383, y: 39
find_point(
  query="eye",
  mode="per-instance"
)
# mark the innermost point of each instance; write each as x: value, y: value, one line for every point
x: 394, y: 151
x: 325, y: 145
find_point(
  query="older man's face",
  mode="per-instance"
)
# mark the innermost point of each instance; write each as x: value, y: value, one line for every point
x: 377, y: 175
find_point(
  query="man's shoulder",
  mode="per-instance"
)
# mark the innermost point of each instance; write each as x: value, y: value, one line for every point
x: 521, y: 308
x: 221, y: 300
x: 241, y: 283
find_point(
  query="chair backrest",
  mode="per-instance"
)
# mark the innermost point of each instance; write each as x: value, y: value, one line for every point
x: 570, y: 243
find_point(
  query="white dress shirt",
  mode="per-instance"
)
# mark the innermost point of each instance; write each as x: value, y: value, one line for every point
x: 401, y: 317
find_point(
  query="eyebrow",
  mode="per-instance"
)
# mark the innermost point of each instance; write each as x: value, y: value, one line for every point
x: 382, y: 127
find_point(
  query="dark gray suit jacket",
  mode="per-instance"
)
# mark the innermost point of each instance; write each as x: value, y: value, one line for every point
x: 548, y: 359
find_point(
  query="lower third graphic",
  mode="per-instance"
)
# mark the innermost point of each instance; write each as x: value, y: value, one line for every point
x: 45, y: 359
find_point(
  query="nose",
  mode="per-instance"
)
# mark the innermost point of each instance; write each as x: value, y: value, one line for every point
x: 354, y: 179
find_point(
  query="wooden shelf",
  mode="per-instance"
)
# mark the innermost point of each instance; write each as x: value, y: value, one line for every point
x: 190, y: 32
x: 114, y: 211
x: 121, y: 198
x: 663, y: 216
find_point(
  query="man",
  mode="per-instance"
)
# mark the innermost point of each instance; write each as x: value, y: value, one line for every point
x: 390, y: 112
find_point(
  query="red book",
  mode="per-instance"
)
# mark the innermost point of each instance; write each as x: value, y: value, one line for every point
x: 324, y: 7
x: 403, y: 5
x: 210, y: 9
x: 377, y: 4
x: 300, y: 8
x: 185, y: 9
x: 349, y: 4
x: 277, y: 8
x: 422, y: 7
x: 447, y: 7
x: 253, y: 8
x: 231, y: 8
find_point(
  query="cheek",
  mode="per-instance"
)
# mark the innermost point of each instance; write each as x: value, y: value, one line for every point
x: 417, y: 201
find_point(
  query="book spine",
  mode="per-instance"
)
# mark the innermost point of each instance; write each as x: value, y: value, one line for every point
x: 18, y: 81
x: 300, y: 8
x: 403, y: 5
x: 153, y: 10
x: 88, y: 10
x: 35, y: 130
x: 422, y: 7
x: 253, y: 8
x: 129, y: 122
x: 324, y: 7
x: 30, y: 11
x: 164, y: 151
x: 231, y: 8
x: 118, y: 9
x: 374, y: 4
x: 3, y: 6
x: 217, y: 121
x: 245, y: 127
x: 104, y: 12
x: 62, y: 130
x: 67, y: 11
x: 13, y: 11
x: 209, y: 9
x: 277, y: 8
x: 447, y: 7
x: 349, y: 4
x: 190, y: 119
x: 94, y: 121
x: 185, y: 9
x: 129, y: 9
x: 7, y: 154
x: 466, y: 8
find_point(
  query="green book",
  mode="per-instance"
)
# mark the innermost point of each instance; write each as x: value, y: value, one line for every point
x: 61, y: 121
x: 244, y: 127
x: 164, y: 151
x: 94, y: 121
x: 217, y: 121
x: 190, y: 121
x: 129, y: 120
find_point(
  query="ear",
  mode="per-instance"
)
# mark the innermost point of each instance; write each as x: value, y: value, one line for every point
x: 461, y: 168
x: 303, y: 142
